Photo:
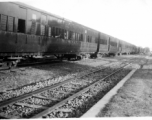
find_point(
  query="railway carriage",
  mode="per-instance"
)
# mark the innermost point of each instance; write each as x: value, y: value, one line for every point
x: 125, y: 48
x: 26, y: 31
x: 104, y: 44
x: 90, y: 42
x: 113, y: 46
x: 119, y: 47
x: 34, y: 32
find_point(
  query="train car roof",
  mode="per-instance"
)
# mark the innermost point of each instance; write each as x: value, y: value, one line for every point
x: 59, y: 17
x: 45, y: 12
x: 34, y: 8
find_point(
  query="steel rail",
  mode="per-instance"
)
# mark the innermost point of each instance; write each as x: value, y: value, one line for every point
x: 45, y: 112
x: 28, y: 95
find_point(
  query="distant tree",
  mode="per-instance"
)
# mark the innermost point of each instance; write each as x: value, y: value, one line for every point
x: 146, y: 50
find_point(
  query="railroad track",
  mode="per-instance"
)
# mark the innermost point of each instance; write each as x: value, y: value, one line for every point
x: 30, y: 64
x: 45, y: 84
x: 53, y: 63
x: 44, y: 96
x: 77, y: 104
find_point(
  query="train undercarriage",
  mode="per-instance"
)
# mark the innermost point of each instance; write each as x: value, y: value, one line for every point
x: 12, y: 61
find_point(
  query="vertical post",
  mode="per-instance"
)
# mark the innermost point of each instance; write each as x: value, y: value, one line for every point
x: 98, y: 44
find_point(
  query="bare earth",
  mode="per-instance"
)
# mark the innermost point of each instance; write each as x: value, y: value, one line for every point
x: 133, y: 99
x: 11, y: 79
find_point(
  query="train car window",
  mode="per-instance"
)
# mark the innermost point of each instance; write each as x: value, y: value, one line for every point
x: 53, y: 32
x: 90, y: 38
x: 113, y: 43
x: 3, y: 22
x: 69, y: 32
x: 73, y: 36
x: 43, y: 19
x: 103, y: 41
x: 120, y: 44
x: 49, y: 31
x: 33, y: 27
x: 10, y: 24
x: 62, y: 34
x: 70, y: 35
x: 81, y: 37
x: 65, y: 34
x: 21, y: 26
x: 78, y: 36
x: 93, y: 40
x: 57, y: 33
x: 96, y: 40
x: 42, y: 29
x: 67, y: 37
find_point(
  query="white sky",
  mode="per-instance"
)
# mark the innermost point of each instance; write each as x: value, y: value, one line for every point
x: 129, y: 20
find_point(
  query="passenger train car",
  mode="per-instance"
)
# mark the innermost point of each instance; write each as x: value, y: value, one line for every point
x: 26, y: 31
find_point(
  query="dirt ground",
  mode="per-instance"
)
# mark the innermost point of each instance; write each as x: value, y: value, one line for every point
x: 133, y: 99
x: 11, y: 79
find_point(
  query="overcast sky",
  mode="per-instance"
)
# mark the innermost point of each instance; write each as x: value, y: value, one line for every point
x: 129, y: 20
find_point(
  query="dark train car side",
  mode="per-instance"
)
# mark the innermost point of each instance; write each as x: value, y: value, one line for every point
x: 26, y: 31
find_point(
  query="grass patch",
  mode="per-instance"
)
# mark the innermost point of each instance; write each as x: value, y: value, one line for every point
x: 133, y: 99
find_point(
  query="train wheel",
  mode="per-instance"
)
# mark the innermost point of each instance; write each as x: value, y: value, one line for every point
x: 79, y: 57
x: 15, y: 63
x: 10, y: 64
x: 61, y: 59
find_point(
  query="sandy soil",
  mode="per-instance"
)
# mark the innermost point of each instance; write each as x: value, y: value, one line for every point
x: 133, y: 99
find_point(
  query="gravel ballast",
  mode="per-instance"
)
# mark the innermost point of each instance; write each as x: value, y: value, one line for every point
x: 11, y: 79
x: 101, y: 104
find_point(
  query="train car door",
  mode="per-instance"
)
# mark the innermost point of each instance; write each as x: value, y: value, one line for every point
x: 21, y: 30
x: 22, y: 20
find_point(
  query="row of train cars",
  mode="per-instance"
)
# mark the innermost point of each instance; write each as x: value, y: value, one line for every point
x: 27, y: 32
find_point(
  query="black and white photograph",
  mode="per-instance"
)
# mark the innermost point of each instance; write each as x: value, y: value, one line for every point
x: 75, y: 59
